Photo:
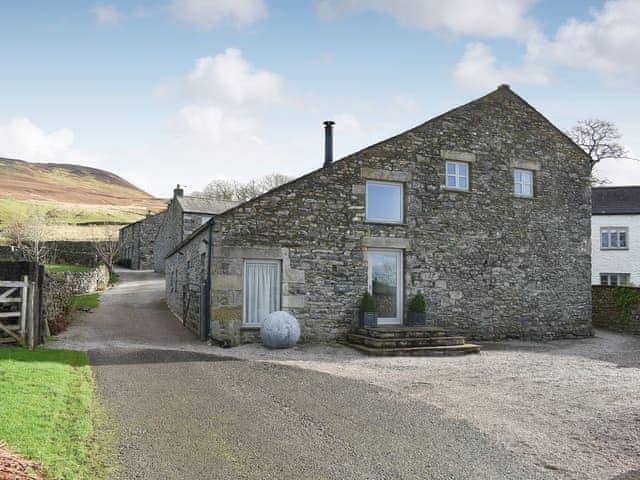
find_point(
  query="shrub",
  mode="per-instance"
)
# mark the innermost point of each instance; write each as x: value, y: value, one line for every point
x: 368, y: 303
x: 124, y: 262
x: 418, y: 304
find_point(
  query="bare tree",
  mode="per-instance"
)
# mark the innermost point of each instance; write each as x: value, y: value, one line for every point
x: 107, y: 246
x: 242, y: 191
x: 29, y: 237
x: 599, y: 138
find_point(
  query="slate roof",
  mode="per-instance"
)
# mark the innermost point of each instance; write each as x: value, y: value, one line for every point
x: 615, y: 200
x: 206, y: 205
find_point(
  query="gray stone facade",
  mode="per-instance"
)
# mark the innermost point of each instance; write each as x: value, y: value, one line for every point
x: 184, y: 215
x: 186, y: 277
x: 137, y: 241
x: 490, y: 264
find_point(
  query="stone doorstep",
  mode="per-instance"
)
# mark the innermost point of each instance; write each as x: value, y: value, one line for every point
x: 394, y: 331
x: 405, y: 342
x: 465, y: 349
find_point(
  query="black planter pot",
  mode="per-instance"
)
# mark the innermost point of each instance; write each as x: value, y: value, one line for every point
x: 367, y: 319
x: 416, y: 319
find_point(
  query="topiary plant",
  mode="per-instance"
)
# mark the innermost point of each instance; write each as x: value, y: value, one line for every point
x: 418, y: 304
x: 368, y: 303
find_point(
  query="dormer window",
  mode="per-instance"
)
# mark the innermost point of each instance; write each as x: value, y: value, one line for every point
x: 384, y: 202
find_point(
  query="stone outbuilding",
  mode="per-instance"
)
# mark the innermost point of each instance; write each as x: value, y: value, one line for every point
x: 485, y: 210
x: 184, y: 215
x: 137, y: 241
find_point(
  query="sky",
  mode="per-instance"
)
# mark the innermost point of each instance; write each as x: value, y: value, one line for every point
x: 188, y: 91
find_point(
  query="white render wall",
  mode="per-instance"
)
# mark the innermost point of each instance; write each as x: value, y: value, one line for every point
x: 615, y: 261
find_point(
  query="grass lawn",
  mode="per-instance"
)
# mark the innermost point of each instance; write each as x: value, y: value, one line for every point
x: 90, y: 300
x: 47, y: 410
x: 54, y: 268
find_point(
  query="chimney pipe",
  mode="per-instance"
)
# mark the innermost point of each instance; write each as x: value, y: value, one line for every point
x: 328, y: 142
x: 178, y: 192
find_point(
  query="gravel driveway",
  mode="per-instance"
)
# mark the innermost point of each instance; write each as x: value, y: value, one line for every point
x: 567, y: 410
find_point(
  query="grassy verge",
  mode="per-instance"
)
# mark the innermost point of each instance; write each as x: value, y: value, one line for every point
x: 90, y: 300
x: 48, y: 412
x: 54, y: 268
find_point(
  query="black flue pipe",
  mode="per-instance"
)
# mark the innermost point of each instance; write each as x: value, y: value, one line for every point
x: 328, y: 142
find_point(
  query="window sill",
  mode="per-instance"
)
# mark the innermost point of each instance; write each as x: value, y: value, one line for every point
x: 608, y: 249
x: 457, y: 190
x: 379, y: 222
x: 523, y: 197
x: 250, y: 327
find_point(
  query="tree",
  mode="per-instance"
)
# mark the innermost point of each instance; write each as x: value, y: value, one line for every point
x: 234, y: 190
x: 107, y: 246
x: 29, y: 237
x: 599, y: 139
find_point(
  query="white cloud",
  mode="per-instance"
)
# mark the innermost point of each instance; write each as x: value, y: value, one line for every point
x: 22, y: 139
x: 108, y: 15
x: 347, y: 123
x: 229, y: 78
x: 478, y: 69
x: 403, y: 103
x: 606, y: 44
x: 487, y: 18
x: 208, y: 14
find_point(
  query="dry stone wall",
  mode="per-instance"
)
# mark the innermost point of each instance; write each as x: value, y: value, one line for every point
x: 490, y: 265
x: 616, y: 308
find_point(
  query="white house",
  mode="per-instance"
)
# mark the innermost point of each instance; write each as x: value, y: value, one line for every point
x: 615, y: 236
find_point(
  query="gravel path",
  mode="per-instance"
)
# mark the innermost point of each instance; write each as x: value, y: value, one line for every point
x: 187, y: 410
x: 570, y: 407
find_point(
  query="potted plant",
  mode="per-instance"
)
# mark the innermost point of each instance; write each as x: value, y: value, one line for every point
x: 368, y: 316
x: 416, y: 314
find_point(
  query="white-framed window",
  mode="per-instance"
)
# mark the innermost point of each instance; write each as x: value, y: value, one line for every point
x: 614, y: 279
x: 523, y: 183
x: 261, y: 292
x: 457, y: 175
x: 384, y: 202
x: 614, y: 238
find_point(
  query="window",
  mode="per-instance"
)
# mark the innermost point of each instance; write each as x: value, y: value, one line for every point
x: 614, y: 279
x: 457, y: 175
x: 614, y: 238
x: 384, y: 202
x: 261, y: 290
x: 523, y: 183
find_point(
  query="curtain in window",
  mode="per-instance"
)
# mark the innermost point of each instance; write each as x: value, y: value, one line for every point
x: 261, y: 291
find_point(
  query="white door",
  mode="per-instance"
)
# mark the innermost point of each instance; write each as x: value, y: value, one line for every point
x: 385, y: 284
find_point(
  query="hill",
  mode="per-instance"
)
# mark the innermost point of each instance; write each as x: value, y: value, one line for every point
x: 70, y: 197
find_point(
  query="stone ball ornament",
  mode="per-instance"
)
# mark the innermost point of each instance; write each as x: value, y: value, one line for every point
x: 280, y: 330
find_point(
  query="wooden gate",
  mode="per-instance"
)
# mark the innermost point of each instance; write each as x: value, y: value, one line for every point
x: 16, y: 312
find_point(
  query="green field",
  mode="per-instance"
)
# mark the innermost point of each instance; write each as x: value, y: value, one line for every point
x: 48, y: 413
x: 13, y: 211
x: 53, y: 268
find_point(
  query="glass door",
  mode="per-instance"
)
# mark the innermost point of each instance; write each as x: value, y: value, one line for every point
x: 385, y: 284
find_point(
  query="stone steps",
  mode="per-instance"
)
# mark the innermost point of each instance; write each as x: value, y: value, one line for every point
x: 396, y: 342
x: 449, y: 350
x: 395, y: 331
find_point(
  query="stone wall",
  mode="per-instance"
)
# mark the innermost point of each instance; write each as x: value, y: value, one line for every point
x: 491, y: 265
x: 70, y: 252
x: 193, y: 221
x: 137, y: 241
x: 58, y: 286
x: 616, y: 308
x: 185, y: 276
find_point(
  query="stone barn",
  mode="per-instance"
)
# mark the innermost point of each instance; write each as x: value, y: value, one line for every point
x: 484, y: 209
x: 137, y: 241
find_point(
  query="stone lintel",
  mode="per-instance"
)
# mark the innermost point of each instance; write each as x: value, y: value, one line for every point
x: 385, y: 175
x: 386, y: 242
x: 526, y: 164
x: 459, y: 156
